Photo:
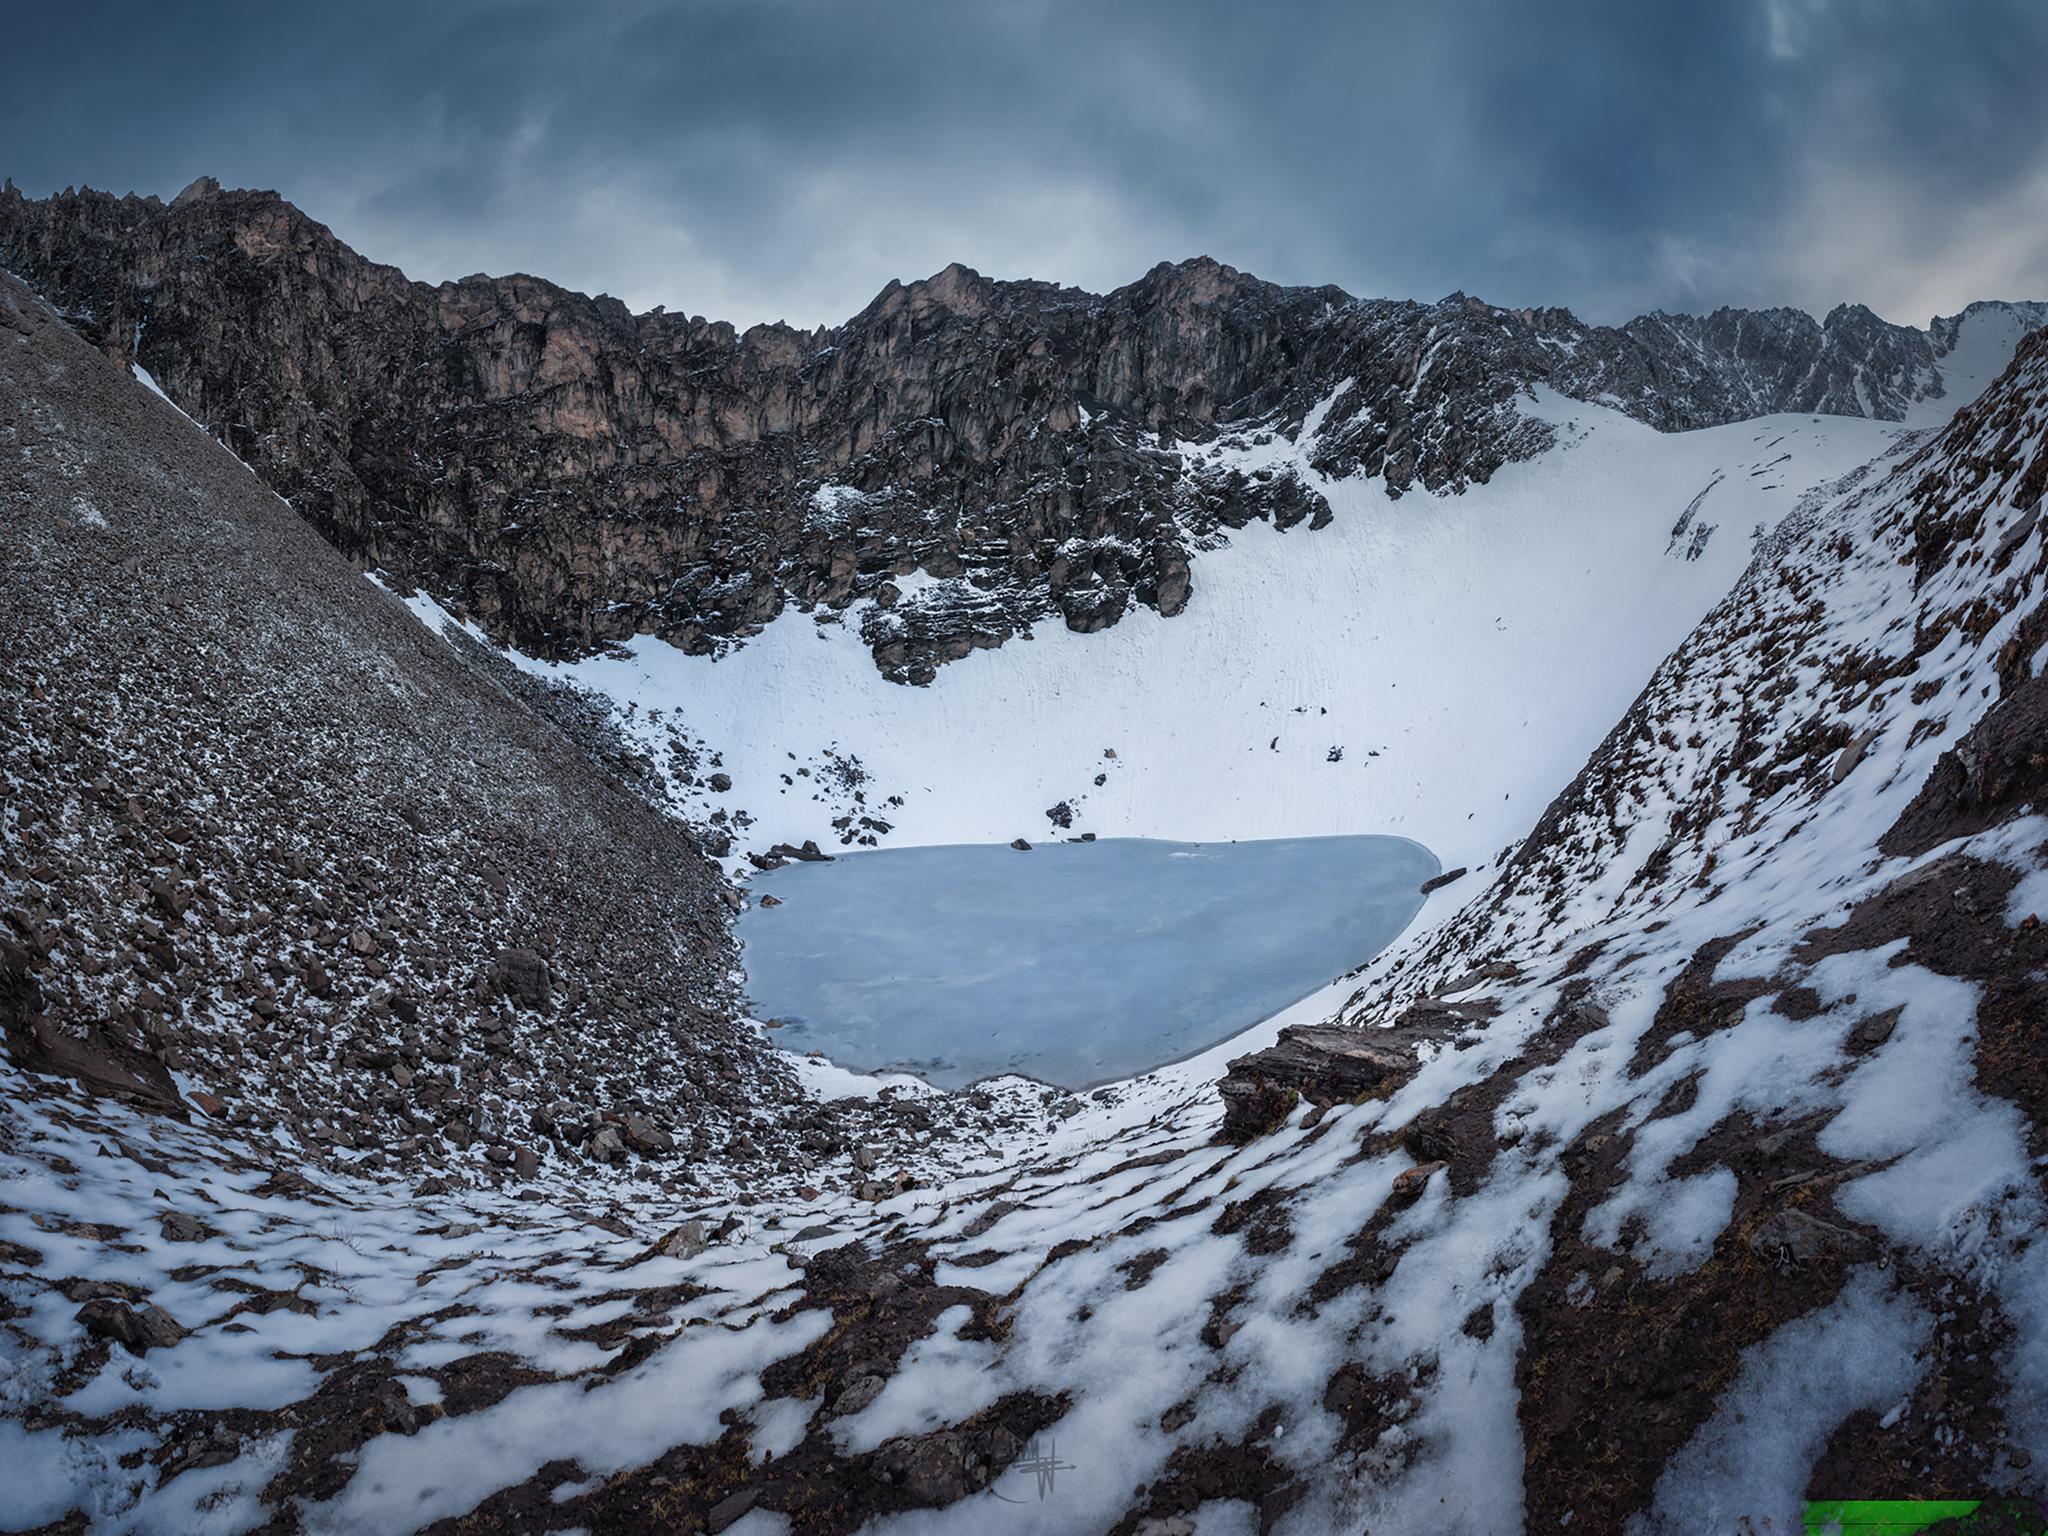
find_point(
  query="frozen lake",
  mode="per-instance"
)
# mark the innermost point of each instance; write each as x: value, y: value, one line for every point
x: 1075, y: 963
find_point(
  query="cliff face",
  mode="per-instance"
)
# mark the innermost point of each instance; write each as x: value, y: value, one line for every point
x: 570, y: 474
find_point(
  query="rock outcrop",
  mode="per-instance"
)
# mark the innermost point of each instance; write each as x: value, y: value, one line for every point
x: 1322, y: 1064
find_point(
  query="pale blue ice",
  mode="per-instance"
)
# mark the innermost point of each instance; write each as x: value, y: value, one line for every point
x: 1075, y: 963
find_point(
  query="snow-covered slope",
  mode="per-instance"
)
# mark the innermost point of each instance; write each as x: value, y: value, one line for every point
x: 1972, y: 349
x: 1429, y: 666
x: 1761, y: 1085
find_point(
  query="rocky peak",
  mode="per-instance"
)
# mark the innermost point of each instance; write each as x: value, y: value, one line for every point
x: 958, y: 289
x: 2019, y: 317
x: 201, y: 187
x: 1197, y: 280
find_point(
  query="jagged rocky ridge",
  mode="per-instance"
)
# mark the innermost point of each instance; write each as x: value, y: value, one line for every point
x: 570, y: 474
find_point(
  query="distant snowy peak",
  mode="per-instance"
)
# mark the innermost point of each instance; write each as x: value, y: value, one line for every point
x: 1973, y: 348
x: 1736, y: 363
x: 2010, y: 320
x: 1672, y: 372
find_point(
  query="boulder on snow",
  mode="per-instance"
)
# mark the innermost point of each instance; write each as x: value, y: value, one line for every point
x: 647, y: 1138
x: 183, y: 1227
x: 139, y: 1328
x: 1322, y: 1063
x: 1409, y: 1183
x: 683, y: 1242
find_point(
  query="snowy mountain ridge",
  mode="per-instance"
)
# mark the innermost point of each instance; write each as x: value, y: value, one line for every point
x: 569, y: 475
x: 1434, y: 668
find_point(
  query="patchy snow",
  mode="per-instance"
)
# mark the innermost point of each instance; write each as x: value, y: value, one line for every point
x: 148, y: 382
x: 429, y: 612
x: 1749, y: 1466
x: 42, y: 1471
x: 836, y: 505
x: 675, y: 1398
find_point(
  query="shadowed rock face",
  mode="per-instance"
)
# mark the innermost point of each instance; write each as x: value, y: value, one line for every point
x: 569, y: 474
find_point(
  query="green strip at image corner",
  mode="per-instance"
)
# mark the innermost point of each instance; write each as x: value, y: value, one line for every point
x: 1881, y: 1517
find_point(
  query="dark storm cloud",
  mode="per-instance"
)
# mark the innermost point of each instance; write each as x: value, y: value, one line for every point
x: 785, y: 158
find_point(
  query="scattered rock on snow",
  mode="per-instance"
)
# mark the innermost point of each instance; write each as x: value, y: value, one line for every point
x: 183, y: 1227
x: 139, y: 1328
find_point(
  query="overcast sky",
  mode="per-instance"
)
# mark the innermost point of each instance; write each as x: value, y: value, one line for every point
x: 782, y: 159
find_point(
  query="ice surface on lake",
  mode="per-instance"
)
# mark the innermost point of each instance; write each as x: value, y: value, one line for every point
x: 1075, y: 963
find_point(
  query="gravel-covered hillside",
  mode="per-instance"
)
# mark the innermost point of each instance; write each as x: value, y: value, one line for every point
x: 277, y: 858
